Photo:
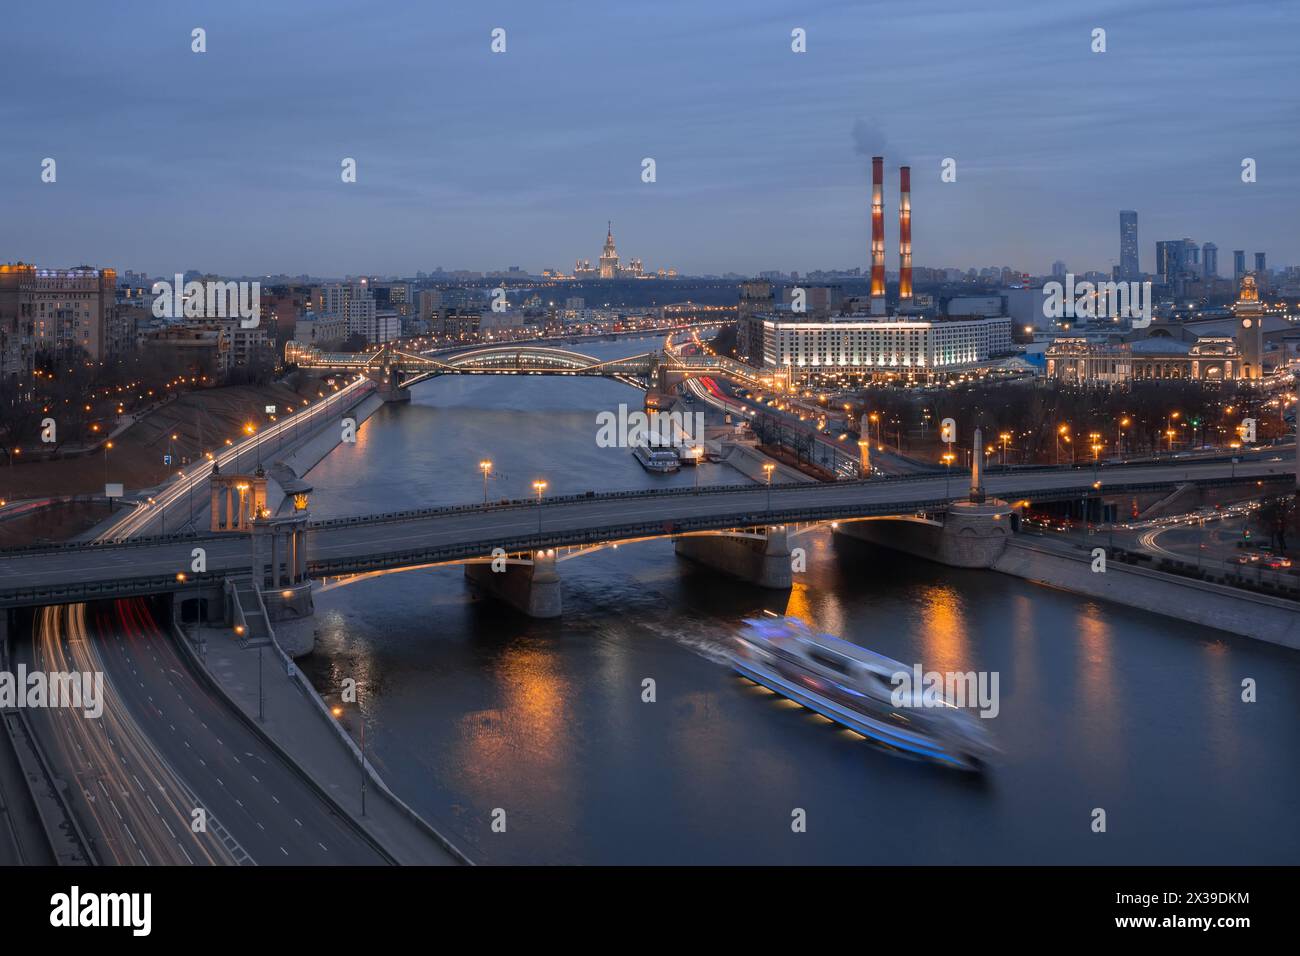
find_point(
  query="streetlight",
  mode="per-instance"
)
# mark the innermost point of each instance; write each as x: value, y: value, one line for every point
x: 485, y: 466
x: 1062, y: 432
x: 768, y: 468
x: 338, y: 713
x: 948, y: 459
x: 1119, y: 433
x: 1005, y: 437
x: 539, y: 486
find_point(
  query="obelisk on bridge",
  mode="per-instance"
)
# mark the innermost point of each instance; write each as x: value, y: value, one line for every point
x: 976, y: 468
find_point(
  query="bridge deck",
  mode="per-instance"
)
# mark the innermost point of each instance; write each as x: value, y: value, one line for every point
x: 341, y: 546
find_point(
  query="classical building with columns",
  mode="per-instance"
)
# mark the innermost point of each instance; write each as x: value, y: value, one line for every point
x: 237, y: 500
x: 1208, y: 359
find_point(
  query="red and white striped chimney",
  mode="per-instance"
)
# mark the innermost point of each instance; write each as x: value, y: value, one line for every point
x: 904, y: 235
x: 877, y: 235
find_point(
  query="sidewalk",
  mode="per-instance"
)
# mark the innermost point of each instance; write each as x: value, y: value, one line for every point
x: 303, y: 730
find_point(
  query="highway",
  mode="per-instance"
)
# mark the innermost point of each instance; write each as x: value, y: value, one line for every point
x: 174, y: 502
x: 166, y: 745
x: 471, y: 531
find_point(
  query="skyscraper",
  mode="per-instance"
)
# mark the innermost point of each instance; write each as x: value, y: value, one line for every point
x: 1128, y: 243
x: 1238, y: 265
x: 1177, y: 260
x: 1260, y: 267
x: 609, y: 256
x: 1209, y: 260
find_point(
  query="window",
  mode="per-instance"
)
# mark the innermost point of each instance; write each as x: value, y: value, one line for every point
x: 828, y: 659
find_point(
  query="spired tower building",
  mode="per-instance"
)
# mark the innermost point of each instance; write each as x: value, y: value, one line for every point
x: 1250, y: 328
x: 609, y: 256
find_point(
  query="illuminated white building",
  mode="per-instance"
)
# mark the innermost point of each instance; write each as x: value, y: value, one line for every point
x: 883, y: 344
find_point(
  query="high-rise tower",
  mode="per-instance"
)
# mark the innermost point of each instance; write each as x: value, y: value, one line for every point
x: 609, y: 256
x: 1128, y: 244
x: 1209, y: 260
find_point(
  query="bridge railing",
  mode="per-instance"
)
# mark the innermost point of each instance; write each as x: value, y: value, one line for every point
x: 691, y: 492
x: 108, y: 590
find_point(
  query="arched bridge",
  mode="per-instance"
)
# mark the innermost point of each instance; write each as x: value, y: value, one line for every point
x: 399, y: 368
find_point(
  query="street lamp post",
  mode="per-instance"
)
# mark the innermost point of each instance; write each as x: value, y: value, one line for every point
x: 768, y: 468
x: 338, y: 713
x: 485, y: 466
x: 539, y: 486
x: 107, y: 446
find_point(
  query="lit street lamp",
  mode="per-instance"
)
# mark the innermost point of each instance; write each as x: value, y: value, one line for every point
x: 485, y: 466
x: 338, y: 713
x: 539, y: 486
x: 948, y: 459
x: 768, y: 468
x: 107, y: 446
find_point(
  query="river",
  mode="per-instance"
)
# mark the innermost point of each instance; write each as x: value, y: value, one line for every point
x: 471, y: 707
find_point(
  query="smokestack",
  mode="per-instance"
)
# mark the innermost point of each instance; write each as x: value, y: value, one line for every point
x: 877, y: 235
x: 904, y: 235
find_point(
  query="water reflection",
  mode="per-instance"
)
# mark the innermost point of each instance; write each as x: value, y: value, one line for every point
x: 473, y: 707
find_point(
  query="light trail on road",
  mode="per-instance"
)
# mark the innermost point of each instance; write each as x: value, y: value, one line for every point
x: 137, y: 520
x: 140, y: 809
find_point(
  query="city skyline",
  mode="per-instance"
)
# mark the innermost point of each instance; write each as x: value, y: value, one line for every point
x: 762, y: 154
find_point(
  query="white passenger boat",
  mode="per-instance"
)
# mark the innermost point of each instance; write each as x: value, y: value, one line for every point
x: 854, y: 687
x: 658, y: 459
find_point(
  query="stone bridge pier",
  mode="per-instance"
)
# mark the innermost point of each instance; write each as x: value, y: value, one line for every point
x: 533, y: 588
x: 970, y: 534
x: 761, y: 558
x: 388, y: 379
x: 279, y: 569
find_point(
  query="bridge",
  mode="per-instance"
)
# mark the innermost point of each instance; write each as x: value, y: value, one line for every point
x: 396, y: 369
x: 744, y: 529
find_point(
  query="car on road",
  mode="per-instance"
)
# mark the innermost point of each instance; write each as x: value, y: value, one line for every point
x: 1276, y: 562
